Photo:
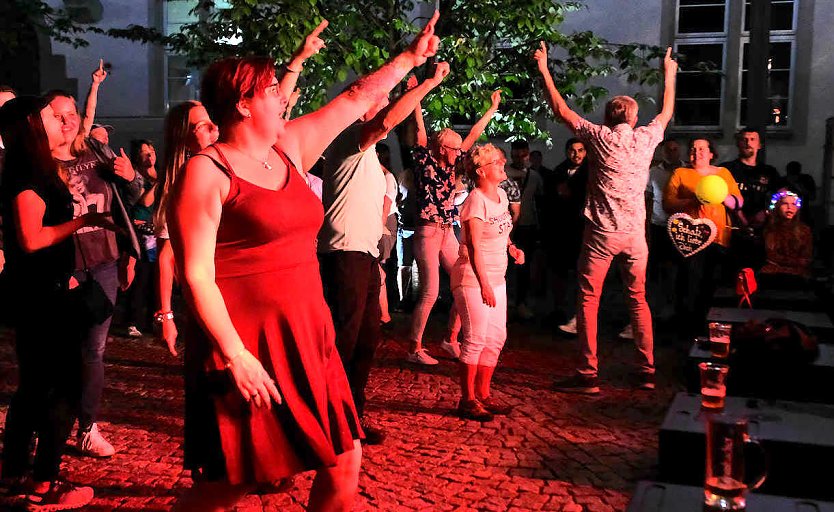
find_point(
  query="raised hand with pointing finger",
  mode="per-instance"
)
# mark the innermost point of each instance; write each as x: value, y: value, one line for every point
x: 425, y: 45
x: 441, y: 71
x: 99, y: 74
x: 313, y: 43
x: 495, y: 98
x: 670, y: 65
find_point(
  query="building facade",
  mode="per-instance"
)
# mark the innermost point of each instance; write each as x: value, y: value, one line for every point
x: 712, y: 35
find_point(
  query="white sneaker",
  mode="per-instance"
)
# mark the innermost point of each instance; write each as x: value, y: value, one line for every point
x: 627, y: 333
x: 570, y: 327
x: 421, y: 357
x: 524, y: 312
x: 133, y: 332
x: 92, y: 444
x: 452, y: 348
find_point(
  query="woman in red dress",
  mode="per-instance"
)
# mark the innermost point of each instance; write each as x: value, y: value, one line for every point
x: 266, y: 394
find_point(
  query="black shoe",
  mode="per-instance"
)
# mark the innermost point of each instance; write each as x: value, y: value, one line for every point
x: 494, y: 407
x: 581, y: 384
x: 645, y: 381
x: 473, y: 410
x: 373, y: 435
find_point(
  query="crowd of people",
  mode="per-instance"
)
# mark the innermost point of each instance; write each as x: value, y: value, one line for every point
x: 282, y: 234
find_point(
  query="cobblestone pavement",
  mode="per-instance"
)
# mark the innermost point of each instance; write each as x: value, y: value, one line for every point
x: 554, y: 452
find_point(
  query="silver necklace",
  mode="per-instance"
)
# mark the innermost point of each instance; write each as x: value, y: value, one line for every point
x: 264, y: 163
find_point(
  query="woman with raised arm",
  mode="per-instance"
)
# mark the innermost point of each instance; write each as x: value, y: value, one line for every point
x: 266, y: 392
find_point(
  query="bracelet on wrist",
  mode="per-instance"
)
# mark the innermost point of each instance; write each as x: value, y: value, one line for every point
x: 230, y: 361
x: 291, y: 70
x: 161, y: 316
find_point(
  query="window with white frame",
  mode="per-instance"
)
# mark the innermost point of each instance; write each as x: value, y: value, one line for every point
x: 699, y: 99
x: 701, y: 39
x: 780, y: 62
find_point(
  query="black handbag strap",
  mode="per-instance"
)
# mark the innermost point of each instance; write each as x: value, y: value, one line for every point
x: 86, y: 268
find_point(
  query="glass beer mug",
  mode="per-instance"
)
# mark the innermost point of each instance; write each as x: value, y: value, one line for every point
x: 726, y: 484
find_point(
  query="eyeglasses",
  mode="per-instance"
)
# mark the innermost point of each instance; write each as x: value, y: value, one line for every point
x: 450, y: 148
x: 501, y: 161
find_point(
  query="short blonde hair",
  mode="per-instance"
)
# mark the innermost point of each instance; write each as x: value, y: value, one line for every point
x: 446, y: 136
x: 479, y: 156
x: 620, y: 109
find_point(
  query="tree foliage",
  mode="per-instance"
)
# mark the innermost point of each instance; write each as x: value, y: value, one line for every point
x: 489, y: 44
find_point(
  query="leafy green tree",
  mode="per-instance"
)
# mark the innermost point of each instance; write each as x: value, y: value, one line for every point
x: 489, y: 44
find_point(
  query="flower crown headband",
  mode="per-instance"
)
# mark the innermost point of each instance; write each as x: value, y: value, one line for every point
x: 778, y: 196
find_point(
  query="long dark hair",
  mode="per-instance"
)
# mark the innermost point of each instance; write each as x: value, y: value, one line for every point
x: 28, y: 158
x: 176, y: 152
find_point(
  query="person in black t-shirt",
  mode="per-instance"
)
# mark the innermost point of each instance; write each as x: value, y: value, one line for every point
x: 37, y: 207
x: 756, y: 180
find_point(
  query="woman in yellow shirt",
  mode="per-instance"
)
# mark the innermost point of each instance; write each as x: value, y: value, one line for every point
x: 699, y: 273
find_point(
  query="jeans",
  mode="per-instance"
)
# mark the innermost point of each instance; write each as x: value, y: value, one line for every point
x: 351, y: 287
x: 599, y: 249
x: 433, y: 245
x: 484, y: 327
x: 46, y: 399
x: 93, y: 340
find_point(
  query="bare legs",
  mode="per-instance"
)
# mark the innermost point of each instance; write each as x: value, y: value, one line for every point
x: 334, y: 489
x: 211, y: 497
x: 475, y: 381
x: 483, y: 379
x: 467, y: 380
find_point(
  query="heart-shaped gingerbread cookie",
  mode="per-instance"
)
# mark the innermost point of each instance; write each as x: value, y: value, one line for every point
x: 689, y: 235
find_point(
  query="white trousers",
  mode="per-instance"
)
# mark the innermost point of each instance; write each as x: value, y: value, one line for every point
x: 484, y: 328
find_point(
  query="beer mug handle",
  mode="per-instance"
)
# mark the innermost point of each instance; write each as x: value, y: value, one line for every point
x: 752, y: 444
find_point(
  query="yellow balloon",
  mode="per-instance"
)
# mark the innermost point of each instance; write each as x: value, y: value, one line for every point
x: 711, y: 190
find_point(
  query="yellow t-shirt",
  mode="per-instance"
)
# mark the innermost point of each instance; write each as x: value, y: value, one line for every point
x: 680, y: 192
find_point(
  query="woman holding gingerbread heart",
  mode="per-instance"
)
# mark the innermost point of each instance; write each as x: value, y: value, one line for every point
x: 701, y: 271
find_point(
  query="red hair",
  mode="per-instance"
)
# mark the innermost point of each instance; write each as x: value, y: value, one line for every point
x: 229, y: 80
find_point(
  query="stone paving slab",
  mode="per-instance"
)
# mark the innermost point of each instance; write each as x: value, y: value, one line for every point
x: 554, y: 452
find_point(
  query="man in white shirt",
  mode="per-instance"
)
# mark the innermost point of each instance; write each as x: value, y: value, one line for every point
x: 353, y: 195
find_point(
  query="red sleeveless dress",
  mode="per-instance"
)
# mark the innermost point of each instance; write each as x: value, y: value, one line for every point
x: 268, y: 273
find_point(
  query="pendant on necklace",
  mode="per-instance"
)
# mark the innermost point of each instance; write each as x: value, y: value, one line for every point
x: 266, y: 166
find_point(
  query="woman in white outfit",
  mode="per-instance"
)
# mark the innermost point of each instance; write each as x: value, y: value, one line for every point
x: 478, y: 280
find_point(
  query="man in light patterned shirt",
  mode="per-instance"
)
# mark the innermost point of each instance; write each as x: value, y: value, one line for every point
x: 615, y: 217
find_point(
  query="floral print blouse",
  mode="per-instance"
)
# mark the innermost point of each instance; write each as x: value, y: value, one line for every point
x: 435, y: 188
